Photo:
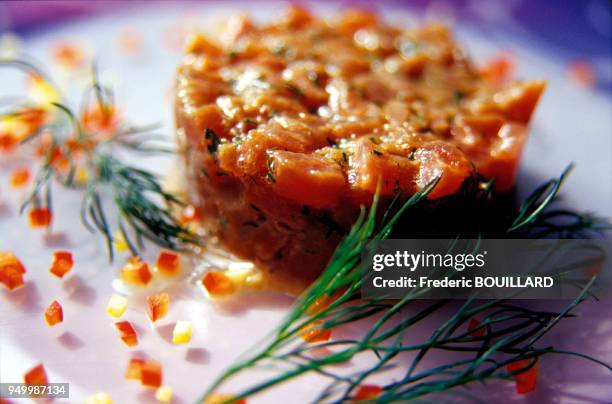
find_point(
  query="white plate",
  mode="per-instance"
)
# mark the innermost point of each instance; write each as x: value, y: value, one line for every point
x: 571, y: 124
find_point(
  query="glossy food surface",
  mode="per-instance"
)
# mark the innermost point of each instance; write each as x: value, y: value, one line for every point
x: 289, y: 127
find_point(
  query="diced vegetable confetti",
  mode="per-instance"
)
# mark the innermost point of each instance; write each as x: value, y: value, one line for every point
x: 129, y: 41
x: 99, y: 118
x: 474, y: 330
x: 136, y: 272
x: 217, y: 284
x: 368, y: 392
x: 11, y: 270
x: 69, y: 55
x: 133, y: 370
x: 127, y: 332
x: 42, y: 92
x: 119, y: 241
x: 168, y: 262
x: 313, y: 333
x: 20, y: 177
x: 151, y: 373
x: 36, y: 376
x: 148, y: 371
x: 220, y: 398
x: 116, y: 306
x: 157, y: 306
x: 99, y: 398
x: 182, y: 332
x: 62, y: 263
x: 526, y: 380
x: 164, y: 394
x: 54, y: 314
x: 40, y: 217
x: 582, y: 72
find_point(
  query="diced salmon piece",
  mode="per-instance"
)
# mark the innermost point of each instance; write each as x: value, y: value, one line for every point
x: 518, y: 101
x: 354, y: 19
x: 494, y: 146
x: 296, y: 16
x: 439, y: 158
x: 252, y: 152
x: 505, y: 156
x: 312, y: 117
x: 307, y: 179
x: 371, y: 165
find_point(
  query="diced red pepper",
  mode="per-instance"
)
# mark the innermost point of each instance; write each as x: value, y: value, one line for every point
x: 133, y: 370
x: 368, y: 392
x: 593, y: 269
x: 168, y: 262
x: 8, y: 141
x: 40, y: 217
x: 474, y: 330
x: 157, y: 306
x: 128, y: 333
x: 20, y: 177
x: 62, y: 263
x: 218, y: 284
x: 312, y: 333
x: 527, y: 380
x: 68, y: 54
x: 583, y: 73
x: 136, y: 272
x: 321, y: 303
x: 219, y: 398
x: 99, y: 118
x: 36, y: 376
x: 54, y: 314
x: 151, y: 374
x: 148, y: 371
x: 11, y: 270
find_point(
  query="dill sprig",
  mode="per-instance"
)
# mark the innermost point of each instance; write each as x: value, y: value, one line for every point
x: 511, y: 331
x: 142, y: 208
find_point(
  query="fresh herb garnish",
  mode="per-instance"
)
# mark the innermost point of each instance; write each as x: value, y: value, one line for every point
x: 81, y: 153
x: 458, y: 95
x: 511, y: 332
x: 213, y: 140
x: 295, y: 90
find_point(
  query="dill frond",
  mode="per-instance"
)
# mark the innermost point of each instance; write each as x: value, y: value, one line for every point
x: 142, y: 208
x: 511, y: 331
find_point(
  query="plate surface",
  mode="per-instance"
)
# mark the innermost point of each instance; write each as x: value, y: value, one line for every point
x: 572, y: 124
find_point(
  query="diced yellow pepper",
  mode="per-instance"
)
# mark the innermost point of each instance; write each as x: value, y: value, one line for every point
x: 99, y: 398
x: 116, y: 306
x: 119, y: 241
x: 182, y: 332
x: 42, y: 92
x: 164, y: 394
